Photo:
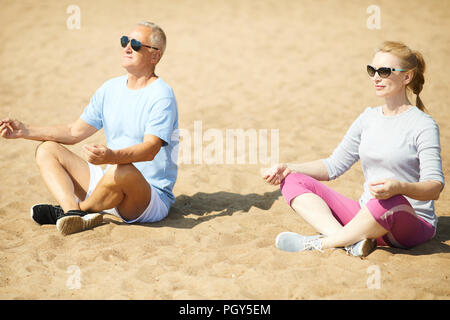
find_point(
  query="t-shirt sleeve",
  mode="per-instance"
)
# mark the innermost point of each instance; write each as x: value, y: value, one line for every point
x: 347, y: 152
x: 429, y: 152
x: 163, y: 114
x: 93, y: 113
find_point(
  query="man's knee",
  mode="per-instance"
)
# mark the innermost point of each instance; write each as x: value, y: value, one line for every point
x: 121, y: 173
x: 45, y: 149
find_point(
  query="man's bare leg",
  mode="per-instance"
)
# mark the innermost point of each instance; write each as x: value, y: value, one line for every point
x: 67, y: 177
x: 65, y: 174
x: 122, y: 187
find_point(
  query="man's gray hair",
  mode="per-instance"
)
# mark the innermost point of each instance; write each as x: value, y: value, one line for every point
x: 157, y: 37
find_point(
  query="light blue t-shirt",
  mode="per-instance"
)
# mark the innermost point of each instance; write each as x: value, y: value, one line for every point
x: 127, y: 115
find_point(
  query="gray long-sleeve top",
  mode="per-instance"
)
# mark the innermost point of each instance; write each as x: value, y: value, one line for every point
x: 405, y: 147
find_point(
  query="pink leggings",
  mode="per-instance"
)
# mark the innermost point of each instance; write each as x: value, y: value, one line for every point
x: 405, y: 228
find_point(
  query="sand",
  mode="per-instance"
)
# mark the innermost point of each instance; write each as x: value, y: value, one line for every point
x: 295, y: 66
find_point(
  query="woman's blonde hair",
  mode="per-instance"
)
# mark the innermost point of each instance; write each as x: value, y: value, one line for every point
x: 410, y: 60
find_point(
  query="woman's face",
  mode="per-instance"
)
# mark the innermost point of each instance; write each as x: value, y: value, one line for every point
x: 396, y: 83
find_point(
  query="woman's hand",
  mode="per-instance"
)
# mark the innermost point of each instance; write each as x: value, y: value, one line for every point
x: 276, y: 174
x: 385, y: 189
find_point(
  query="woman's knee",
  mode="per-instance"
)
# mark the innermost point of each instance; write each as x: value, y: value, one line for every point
x: 381, y: 206
x: 295, y: 184
x: 297, y: 179
x: 381, y: 209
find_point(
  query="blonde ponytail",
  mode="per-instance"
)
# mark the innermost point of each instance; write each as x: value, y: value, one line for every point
x: 410, y: 60
x: 418, y: 80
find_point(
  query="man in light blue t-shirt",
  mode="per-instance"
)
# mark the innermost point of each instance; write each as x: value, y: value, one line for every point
x: 138, y: 113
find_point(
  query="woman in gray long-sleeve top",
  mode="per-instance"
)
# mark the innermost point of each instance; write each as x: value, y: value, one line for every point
x: 399, y: 148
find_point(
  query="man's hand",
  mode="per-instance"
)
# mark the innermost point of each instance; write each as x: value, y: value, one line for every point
x: 276, y: 174
x: 12, y: 129
x: 385, y: 189
x: 98, y: 154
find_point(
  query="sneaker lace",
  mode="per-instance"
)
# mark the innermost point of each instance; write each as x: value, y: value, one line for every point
x: 313, y: 244
x: 348, y: 249
x: 59, y: 212
x: 354, y: 249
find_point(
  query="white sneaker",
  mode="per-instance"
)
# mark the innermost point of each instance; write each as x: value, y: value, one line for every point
x: 362, y: 248
x: 75, y: 223
x: 293, y: 242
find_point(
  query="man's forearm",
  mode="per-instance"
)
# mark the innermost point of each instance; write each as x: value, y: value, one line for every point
x: 61, y: 134
x: 145, y: 151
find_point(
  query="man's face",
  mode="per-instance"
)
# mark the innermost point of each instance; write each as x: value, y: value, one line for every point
x: 145, y: 56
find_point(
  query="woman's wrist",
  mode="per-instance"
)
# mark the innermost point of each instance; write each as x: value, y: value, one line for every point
x: 400, y: 188
x: 288, y: 166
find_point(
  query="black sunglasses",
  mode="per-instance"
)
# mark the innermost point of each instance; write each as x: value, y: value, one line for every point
x: 383, y: 72
x: 135, y: 44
